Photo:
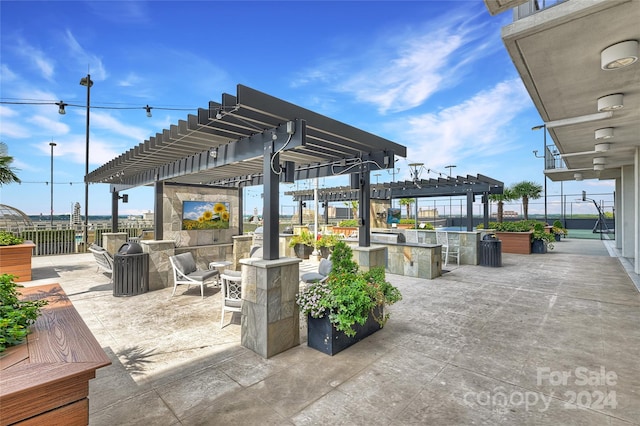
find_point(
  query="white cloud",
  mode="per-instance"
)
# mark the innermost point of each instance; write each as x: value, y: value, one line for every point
x: 132, y: 79
x: 49, y: 126
x: 101, y: 120
x: 402, y: 69
x: 476, y: 126
x: 6, y: 74
x: 96, y: 67
x: 37, y: 58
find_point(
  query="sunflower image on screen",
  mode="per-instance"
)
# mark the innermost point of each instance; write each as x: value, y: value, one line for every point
x: 197, y: 215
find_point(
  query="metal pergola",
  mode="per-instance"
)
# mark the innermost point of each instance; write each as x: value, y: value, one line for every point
x: 468, y: 186
x: 250, y: 139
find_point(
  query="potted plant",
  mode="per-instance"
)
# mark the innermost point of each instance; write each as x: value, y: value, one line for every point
x: 541, y: 239
x: 17, y: 315
x: 326, y: 243
x: 515, y: 236
x: 558, y: 230
x: 15, y: 256
x: 302, y: 244
x: 348, y: 305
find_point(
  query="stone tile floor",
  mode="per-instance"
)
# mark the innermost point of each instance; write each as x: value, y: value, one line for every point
x: 545, y: 339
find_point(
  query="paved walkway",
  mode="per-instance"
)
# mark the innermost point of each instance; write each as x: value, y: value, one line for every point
x: 546, y: 339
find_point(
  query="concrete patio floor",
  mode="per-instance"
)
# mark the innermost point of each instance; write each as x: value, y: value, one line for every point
x: 545, y: 339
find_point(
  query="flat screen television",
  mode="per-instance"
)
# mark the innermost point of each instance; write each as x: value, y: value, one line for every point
x: 198, y: 215
x: 393, y: 216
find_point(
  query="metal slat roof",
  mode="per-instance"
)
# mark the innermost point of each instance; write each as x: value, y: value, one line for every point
x: 237, y: 130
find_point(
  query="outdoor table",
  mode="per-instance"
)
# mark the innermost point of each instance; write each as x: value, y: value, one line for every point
x: 220, y: 265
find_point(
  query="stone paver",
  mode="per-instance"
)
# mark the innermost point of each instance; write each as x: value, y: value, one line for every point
x: 528, y: 343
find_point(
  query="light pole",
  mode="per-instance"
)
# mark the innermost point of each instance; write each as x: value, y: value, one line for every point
x: 415, y: 174
x: 86, y: 81
x: 450, y: 167
x: 543, y: 127
x: 52, y: 144
x: 377, y: 175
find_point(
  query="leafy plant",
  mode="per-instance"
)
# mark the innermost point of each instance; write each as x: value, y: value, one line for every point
x: 327, y: 240
x: 8, y: 239
x: 304, y: 237
x: 349, y: 223
x: 348, y: 295
x: 558, y: 228
x: 15, y: 315
x: 539, y: 233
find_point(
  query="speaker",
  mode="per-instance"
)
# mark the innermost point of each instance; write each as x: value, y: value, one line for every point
x: 355, y: 180
x: 289, y: 172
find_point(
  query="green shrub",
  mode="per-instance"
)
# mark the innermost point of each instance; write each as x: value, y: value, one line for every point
x: 8, y: 239
x: 348, y: 296
x: 15, y: 315
x: 349, y: 223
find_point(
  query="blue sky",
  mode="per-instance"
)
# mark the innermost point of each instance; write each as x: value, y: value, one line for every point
x: 431, y: 75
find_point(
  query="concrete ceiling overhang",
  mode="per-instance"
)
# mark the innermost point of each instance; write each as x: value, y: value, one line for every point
x: 421, y: 188
x: 557, y: 53
x: 224, y: 144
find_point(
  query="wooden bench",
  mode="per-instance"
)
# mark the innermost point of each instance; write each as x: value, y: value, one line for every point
x: 46, y: 379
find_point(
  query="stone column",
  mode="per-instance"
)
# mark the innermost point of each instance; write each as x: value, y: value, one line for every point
x: 270, y: 315
x: 370, y: 257
x: 159, y: 267
x: 112, y: 241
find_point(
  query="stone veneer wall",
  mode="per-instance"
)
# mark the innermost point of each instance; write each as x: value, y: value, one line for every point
x: 412, y: 260
x: 173, y: 197
x: 160, y: 275
x: 469, y: 243
x: 270, y: 315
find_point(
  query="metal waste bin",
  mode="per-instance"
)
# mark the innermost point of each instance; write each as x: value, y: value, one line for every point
x: 130, y: 270
x: 490, y: 251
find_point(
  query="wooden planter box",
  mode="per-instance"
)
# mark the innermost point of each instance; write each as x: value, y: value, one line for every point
x: 345, y: 230
x: 323, y: 336
x: 16, y: 260
x: 515, y: 242
x: 46, y: 379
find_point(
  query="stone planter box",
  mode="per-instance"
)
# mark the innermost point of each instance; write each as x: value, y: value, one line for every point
x: 515, y: 242
x: 16, y: 260
x: 323, y: 336
x: 46, y: 379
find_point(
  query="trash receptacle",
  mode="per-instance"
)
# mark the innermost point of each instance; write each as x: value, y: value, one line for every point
x: 490, y: 251
x: 130, y: 270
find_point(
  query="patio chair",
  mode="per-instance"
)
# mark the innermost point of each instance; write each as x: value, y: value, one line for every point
x: 186, y: 272
x: 324, y: 268
x: 103, y: 259
x: 449, y: 248
x: 231, y: 286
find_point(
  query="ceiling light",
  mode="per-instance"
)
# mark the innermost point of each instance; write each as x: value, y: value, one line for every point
x: 598, y: 167
x: 577, y: 176
x: 610, y: 102
x: 599, y: 160
x: 580, y: 119
x: 602, y: 147
x: 619, y: 55
x: 605, y: 133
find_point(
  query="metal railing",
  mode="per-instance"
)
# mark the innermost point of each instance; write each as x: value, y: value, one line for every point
x: 67, y: 239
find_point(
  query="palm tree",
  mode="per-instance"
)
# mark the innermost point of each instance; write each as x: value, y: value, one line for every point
x: 407, y: 202
x: 353, y: 205
x: 6, y: 171
x: 507, y: 195
x: 527, y: 191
